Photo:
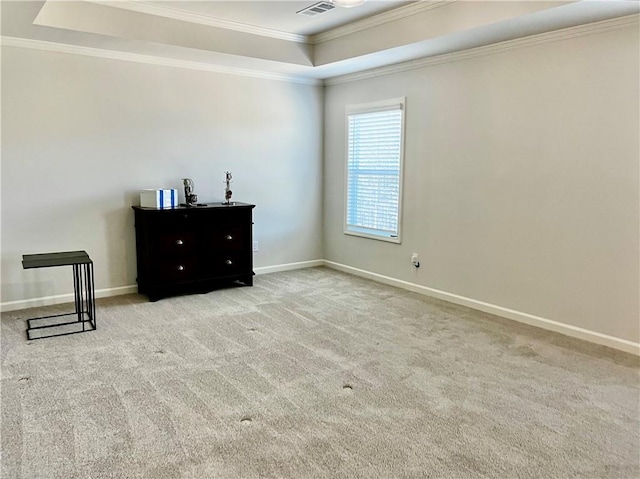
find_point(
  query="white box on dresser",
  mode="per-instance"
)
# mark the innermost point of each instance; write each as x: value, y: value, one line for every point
x: 159, y: 198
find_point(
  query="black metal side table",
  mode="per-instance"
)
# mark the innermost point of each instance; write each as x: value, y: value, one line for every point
x: 83, y: 291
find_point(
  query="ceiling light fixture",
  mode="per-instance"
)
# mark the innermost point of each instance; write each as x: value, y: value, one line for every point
x: 348, y: 3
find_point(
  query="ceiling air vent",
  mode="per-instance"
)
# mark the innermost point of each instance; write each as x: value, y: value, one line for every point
x: 316, y: 9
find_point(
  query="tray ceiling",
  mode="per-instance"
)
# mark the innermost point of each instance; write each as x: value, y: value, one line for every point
x: 279, y: 15
x: 269, y: 38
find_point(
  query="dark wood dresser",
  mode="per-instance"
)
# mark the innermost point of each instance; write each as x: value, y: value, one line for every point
x: 193, y: 249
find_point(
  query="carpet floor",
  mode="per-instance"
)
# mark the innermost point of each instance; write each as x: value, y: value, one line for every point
x: 312, y: 374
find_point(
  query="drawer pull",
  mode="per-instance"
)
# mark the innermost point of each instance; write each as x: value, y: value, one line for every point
x: 179, y: 242
x: 180, y: 267
x: 228, y: 237
x: 229, y: 262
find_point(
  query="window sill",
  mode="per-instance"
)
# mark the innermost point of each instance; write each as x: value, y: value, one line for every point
x: 362, y: 234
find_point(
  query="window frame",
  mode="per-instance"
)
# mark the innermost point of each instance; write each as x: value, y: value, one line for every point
x: 372, y: 107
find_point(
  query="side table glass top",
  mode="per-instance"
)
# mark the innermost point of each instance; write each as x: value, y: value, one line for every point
x: 46, y: 260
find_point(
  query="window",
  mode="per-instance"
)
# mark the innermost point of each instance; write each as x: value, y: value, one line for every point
x: 375, y: 137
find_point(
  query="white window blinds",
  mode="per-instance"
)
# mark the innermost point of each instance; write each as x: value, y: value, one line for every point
x: 374, y: 169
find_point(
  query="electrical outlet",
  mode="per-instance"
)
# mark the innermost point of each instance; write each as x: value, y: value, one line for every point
x: 415, y: 260
x: 255, y: 246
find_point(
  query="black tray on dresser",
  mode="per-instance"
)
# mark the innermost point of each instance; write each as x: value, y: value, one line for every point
x: 193, y: 249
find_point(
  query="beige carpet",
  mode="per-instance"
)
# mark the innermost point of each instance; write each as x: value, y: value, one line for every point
x: 313, y: 373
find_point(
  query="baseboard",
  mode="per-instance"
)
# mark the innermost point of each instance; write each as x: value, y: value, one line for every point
x: 105, y: 293
x: 289, y: 266
x: 63, y: 298
x: 566, y: 329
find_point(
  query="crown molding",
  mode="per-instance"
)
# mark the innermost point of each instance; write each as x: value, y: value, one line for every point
x: 182, y: 15
x: 554, y: 36
x: 379, y: 19
x: 539, y: 39
x: 150, y: 60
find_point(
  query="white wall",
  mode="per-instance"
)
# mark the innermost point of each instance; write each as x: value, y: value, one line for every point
x: 81, y: 136
x: 521, y: 171
x: 521, y: 180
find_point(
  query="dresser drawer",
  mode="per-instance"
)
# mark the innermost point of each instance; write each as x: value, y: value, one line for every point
x: 175, y: 243
x: 229, y: 237
x: 172, y: 220
x: 176, y: 269
x: 229, y: 264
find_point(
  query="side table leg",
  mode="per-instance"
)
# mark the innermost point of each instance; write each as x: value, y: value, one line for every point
x: 90, y: 293
x: 77, y: 290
